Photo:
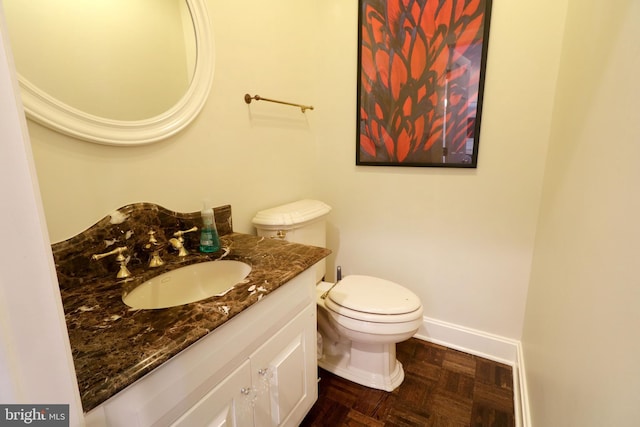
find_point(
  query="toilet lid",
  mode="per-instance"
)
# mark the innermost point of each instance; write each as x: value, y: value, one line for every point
x: 371, y: 295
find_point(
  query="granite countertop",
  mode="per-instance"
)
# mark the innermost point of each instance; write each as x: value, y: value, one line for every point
x: 114, y: 345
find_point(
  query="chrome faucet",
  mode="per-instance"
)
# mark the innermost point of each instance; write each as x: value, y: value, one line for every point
x: 177, y: 241
x: 120, y: 259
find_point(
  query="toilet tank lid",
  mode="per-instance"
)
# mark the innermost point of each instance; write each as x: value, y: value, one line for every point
x: 295, y: 213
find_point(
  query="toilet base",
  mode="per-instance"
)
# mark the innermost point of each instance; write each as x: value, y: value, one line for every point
x: 370, y: 365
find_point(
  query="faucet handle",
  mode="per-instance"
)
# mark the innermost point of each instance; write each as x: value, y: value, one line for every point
x: 118, y: 251
x: 120, y: 259
x: 177, y: 242
x: 180, y: 233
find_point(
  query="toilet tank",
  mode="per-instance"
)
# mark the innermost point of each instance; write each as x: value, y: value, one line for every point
x: 303, y: 222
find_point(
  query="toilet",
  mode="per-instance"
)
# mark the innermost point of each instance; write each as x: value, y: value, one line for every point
x: 361, y: 318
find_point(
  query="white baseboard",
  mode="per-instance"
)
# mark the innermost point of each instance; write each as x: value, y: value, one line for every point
x: 488, y: 346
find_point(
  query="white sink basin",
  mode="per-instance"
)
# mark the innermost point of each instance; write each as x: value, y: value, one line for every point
x: 187, y: 284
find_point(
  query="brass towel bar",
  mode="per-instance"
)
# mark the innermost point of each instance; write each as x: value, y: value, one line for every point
x: 303, y: 108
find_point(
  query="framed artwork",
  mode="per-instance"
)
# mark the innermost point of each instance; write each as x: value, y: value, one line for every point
x: 421, y: 67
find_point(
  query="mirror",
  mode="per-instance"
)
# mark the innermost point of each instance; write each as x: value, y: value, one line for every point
x: 118, y: 72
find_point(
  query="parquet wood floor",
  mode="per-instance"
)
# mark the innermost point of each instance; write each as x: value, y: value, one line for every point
x: 442, y: 388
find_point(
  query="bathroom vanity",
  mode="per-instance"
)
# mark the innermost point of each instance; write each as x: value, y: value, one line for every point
x: 247, y: 357
x: 258, y: 368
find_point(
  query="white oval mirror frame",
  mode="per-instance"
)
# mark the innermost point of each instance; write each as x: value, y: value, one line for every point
x: 56, y: 115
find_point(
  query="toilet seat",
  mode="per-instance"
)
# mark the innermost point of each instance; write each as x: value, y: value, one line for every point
x: 372, y: 299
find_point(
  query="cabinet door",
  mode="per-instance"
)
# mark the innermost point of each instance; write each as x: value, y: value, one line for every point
x: 229, y: 404
x: 284, y: 373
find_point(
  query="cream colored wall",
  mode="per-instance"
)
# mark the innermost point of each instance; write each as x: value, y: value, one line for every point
x: 246, y: 156
x: 580, y: 338
x: 461, y: 239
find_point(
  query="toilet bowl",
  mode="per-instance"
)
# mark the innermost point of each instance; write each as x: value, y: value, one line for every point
x: 361, y: 318
x: 359, y: 322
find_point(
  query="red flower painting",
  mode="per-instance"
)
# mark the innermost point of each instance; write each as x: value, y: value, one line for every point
x: 421, y: 75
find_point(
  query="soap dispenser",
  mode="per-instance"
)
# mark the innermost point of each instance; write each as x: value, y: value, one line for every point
x: 209, y: 241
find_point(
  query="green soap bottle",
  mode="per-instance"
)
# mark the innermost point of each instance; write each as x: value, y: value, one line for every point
x: 209, y: 240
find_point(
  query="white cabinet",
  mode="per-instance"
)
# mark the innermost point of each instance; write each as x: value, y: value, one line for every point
x: 275, y: 387
x: 284, y: 374
x: 258, y: 369
x: 224, y: 406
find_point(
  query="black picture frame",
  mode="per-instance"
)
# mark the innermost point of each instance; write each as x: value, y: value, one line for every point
x: 421, y: 71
